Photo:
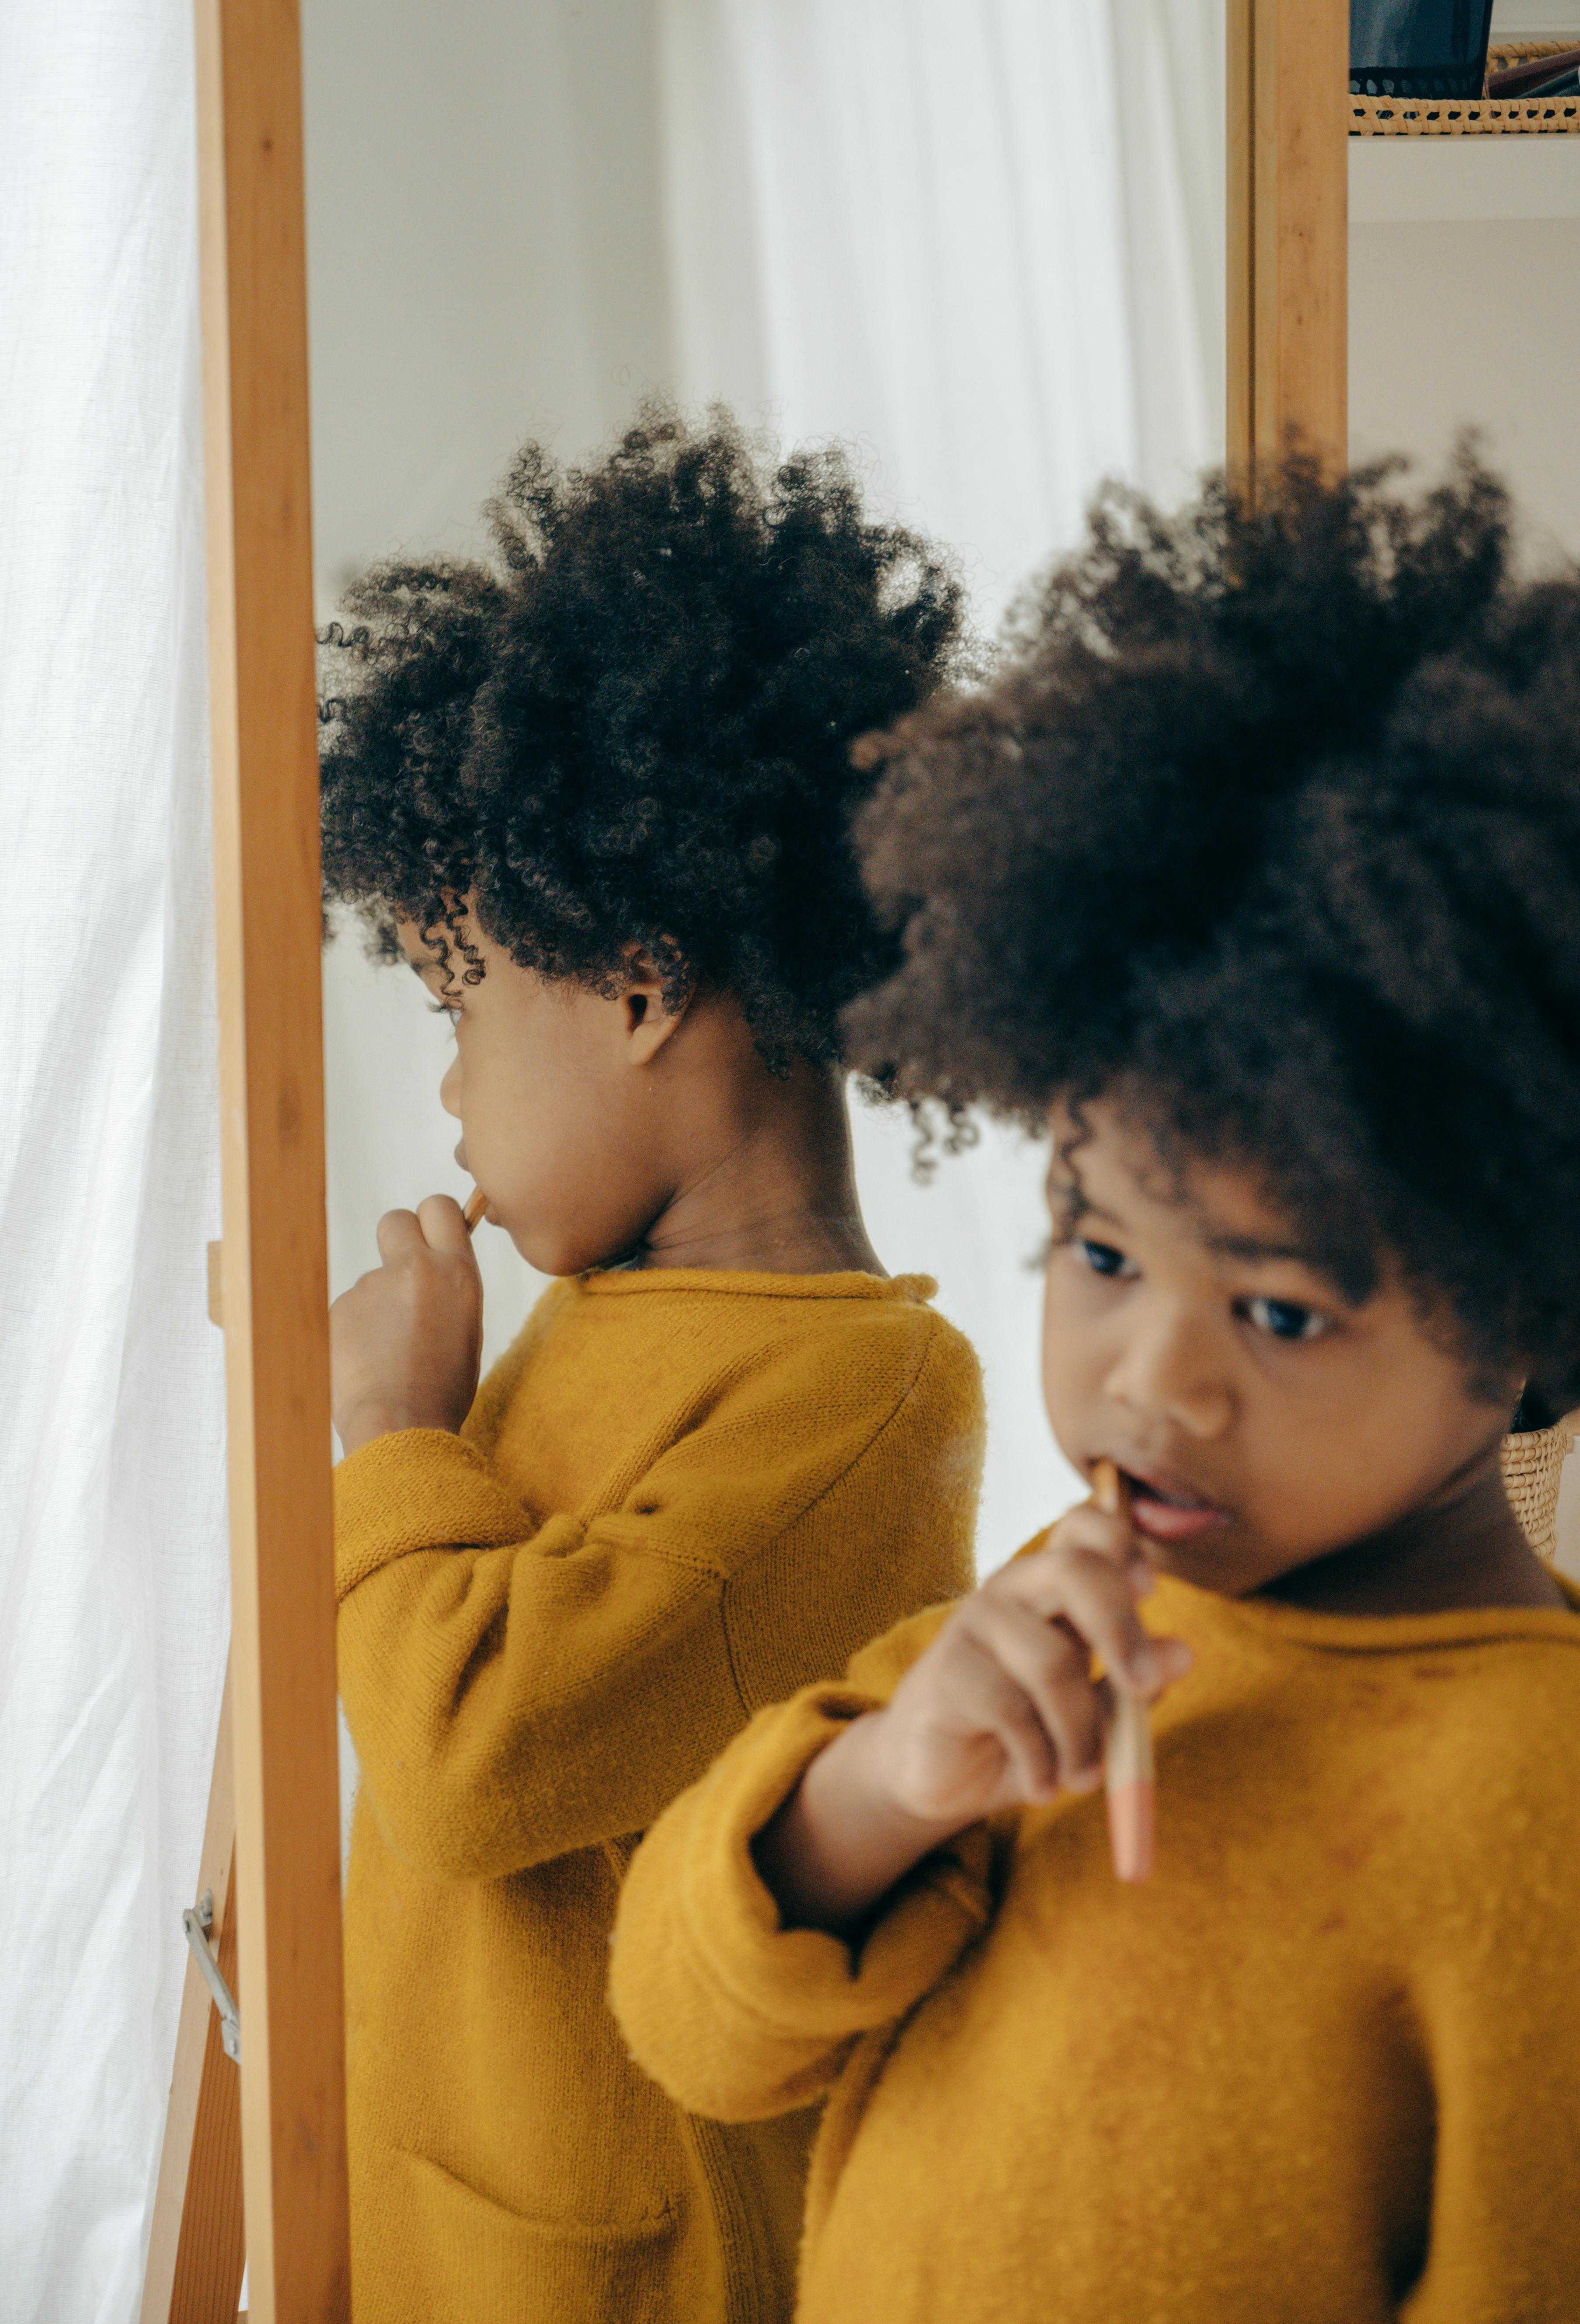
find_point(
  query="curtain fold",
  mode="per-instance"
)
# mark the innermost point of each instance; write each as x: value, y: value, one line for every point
x: 113, y: 1570
x: 982, y: 242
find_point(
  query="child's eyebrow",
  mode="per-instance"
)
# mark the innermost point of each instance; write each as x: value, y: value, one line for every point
x: 1258, y: 1249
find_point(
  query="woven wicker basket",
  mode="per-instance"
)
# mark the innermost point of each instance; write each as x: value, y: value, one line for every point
x: 1466, y: 116
x: 1533, y: 1468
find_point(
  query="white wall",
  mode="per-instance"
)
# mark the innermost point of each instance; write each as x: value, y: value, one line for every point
x: 1465, y: 307
x: 485, y: 251
x: 1536, y: 20
x: 485, y: 263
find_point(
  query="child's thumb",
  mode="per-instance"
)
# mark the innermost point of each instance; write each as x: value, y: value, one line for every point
x: 445, y: 1229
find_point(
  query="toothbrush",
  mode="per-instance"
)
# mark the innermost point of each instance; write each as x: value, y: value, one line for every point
x: 1127, y: 1757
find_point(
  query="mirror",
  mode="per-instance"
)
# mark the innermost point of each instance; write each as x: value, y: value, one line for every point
x: 980, y: 246
x: 1001, y: 281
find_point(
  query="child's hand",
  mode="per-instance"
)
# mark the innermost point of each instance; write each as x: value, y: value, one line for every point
x: 406, y: 1340
x: 999, y: 1712
x: 1003, y: 1709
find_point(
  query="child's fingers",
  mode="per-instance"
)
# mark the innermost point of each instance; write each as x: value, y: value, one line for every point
x: 399, y: 1236
x: 1084, y: 1527
x: 988, y: 1701
x: 436, y: 1225
x: 443, y: 1223
x: 1085, y: 1574
x: 1050, y: 1668
x: 1100, y: 1603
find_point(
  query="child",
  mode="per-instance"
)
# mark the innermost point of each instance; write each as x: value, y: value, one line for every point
x: 600, y: 800
x: 1257, y: 877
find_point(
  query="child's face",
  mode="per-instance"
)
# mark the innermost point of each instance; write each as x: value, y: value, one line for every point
x: 556, y: 1112
x: 1262, y: 1420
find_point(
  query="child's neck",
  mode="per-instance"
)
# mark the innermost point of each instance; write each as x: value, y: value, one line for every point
x: 775, y: 1191
x: 1463, y: 1548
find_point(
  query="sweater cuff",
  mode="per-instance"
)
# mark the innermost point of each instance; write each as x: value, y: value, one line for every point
x: 417, y: 1488
x: 804, y: 1982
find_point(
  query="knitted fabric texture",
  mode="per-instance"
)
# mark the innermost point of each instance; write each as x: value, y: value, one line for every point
x: 681, y: 1495
x: 1324, y: 2066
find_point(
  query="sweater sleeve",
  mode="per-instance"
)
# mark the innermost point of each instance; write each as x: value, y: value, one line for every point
x: 519, y: 1684
x: 1500, y: 2006
x: 736, y: 2016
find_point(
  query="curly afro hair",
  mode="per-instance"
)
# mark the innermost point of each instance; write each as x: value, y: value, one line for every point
x: 1269, y: 828
x: 636, y: 729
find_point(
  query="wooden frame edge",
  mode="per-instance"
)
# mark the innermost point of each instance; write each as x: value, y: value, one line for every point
x: 264, y: 738
x: 1287, y: 233
x: 196, y: 2249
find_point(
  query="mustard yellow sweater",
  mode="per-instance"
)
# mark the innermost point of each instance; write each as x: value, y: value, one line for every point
x: 680, y: 1496
x: 1324, y: 2067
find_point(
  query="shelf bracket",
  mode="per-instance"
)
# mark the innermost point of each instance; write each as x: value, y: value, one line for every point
x: 197, y: 1920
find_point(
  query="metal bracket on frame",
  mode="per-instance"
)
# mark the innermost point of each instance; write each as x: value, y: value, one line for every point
x: 197, y: 1920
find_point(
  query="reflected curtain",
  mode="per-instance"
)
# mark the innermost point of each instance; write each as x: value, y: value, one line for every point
x: 113, y: 1573
x: 983, y: 241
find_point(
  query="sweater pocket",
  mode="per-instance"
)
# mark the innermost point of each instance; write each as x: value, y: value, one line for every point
x: 442, y: 2250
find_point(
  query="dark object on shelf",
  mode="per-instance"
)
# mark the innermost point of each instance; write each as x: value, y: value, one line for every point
x: 1566, y: 84
x: 1476, y: 116
x: 1549, y: 75
x: 1419, y: 48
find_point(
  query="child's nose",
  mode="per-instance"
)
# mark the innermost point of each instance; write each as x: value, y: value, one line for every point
x: 1167, y: 1366
x: 450, y: 1088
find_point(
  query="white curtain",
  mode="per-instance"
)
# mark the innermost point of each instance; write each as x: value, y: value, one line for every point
x: 982, y: 240
x: 113, y: 1591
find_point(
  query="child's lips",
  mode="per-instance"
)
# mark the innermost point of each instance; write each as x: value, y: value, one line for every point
x: 1161, y: 1521
x: 1168, y: 1512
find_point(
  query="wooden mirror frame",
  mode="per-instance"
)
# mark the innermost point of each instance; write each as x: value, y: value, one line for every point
x: 278, y: 1740
x: 1288, y: 234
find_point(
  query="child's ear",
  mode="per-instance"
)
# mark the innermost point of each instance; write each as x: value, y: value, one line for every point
x: 649, y: 1020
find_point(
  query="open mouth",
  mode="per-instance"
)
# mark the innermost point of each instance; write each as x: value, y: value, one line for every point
x: 1165, y: 1512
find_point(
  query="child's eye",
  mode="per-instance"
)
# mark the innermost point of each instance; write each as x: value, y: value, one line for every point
x: 1283, y: 1319
x: 1103, y: 1260
x: 445, y: 1009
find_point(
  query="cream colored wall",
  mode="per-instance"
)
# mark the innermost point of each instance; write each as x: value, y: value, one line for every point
x: 485, y: 252
x: 1536, y: 20
x: 1465, y: 307
x: 485, y: 260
